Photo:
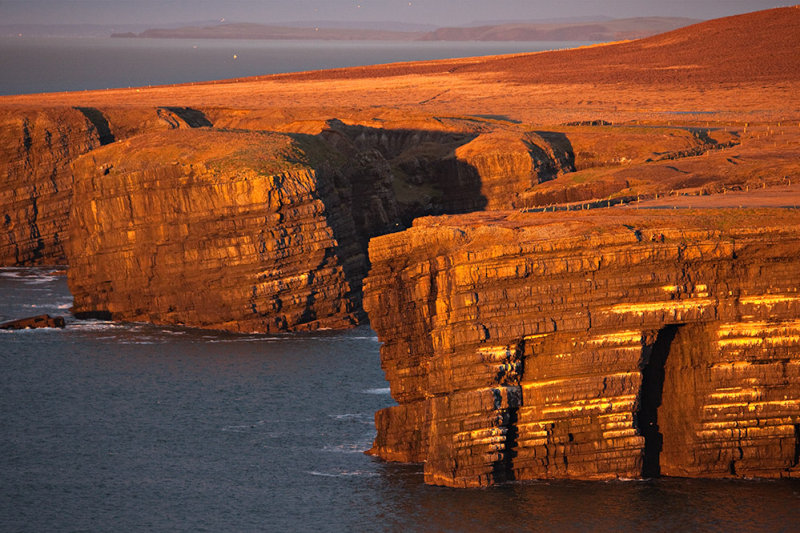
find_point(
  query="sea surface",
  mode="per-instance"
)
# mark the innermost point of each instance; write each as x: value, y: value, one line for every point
x: 34, y: 65
x: 133, y: 427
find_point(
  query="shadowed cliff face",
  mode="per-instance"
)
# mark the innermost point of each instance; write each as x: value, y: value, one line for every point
x: 597, y: 346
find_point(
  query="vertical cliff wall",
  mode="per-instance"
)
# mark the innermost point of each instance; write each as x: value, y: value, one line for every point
x: 388, y: 176
x: 36, y: 147
x: 593, y: 346
x: 236, y: 231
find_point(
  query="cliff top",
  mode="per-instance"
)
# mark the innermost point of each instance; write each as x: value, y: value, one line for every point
x: 507, y: 229
x: 222, y: 151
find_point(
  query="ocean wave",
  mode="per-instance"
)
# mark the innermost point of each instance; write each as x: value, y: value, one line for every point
x: 243, y: 428
x: 172, y: 332
x: 28, y: 276
x: 214, y: 340
x: 96, y: 325
x: 28, y: 331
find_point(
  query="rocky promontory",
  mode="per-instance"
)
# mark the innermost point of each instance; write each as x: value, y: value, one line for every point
x: 222, y: 230
x: 596, y: 345
x: 548, y: 306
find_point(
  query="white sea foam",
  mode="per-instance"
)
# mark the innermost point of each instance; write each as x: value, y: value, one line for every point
x: 213, y: 340
x: 93, y: 325
x: 383, y: 390
x: 172, y: 332
x: 38, y: 280
x: 28, y: 275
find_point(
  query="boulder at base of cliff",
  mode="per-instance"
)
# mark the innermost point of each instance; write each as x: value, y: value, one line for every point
x: 35, y: 322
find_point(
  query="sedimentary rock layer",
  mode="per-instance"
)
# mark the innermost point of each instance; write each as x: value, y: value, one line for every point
x: 37, y: 146
x: 275, y: 224
x: 594, y: 345
x: 35, y: 181
x: 235, y: 231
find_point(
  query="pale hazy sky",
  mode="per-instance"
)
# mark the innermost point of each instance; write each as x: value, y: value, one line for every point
x: 439, y: 12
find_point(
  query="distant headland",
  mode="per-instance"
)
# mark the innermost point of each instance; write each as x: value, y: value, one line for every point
x: 600, y: 30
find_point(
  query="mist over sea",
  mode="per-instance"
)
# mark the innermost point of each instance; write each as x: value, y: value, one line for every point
x: 35, y: 65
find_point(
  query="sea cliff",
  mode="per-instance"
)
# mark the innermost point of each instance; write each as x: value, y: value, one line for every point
x: 235, y: 231
x: 537, y: 320
x: 599, y: 345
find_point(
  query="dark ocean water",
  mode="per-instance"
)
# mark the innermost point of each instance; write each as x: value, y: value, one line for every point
x: 131, y: 427
x: 32, y: 65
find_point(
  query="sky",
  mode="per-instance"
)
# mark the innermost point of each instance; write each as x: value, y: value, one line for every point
x: 437, y: 12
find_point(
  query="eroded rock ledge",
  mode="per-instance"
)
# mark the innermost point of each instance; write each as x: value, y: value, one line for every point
x: 598, y: 345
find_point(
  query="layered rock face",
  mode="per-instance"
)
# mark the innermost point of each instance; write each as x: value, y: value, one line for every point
x: 222, y: 230
x: 598, y: 345
x: 276, y: 224
x: 36, y: 147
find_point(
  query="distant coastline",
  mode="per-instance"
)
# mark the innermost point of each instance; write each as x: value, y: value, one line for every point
x: 602, y: 30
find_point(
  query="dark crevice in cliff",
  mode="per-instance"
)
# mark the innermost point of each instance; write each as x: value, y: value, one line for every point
x: 652, y: 365
x: 503, y: 470
x: 99, y: 121
x: 561, y: 154
x: 27, y: 140
x: 796, y: 459
x: 37, y: 251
